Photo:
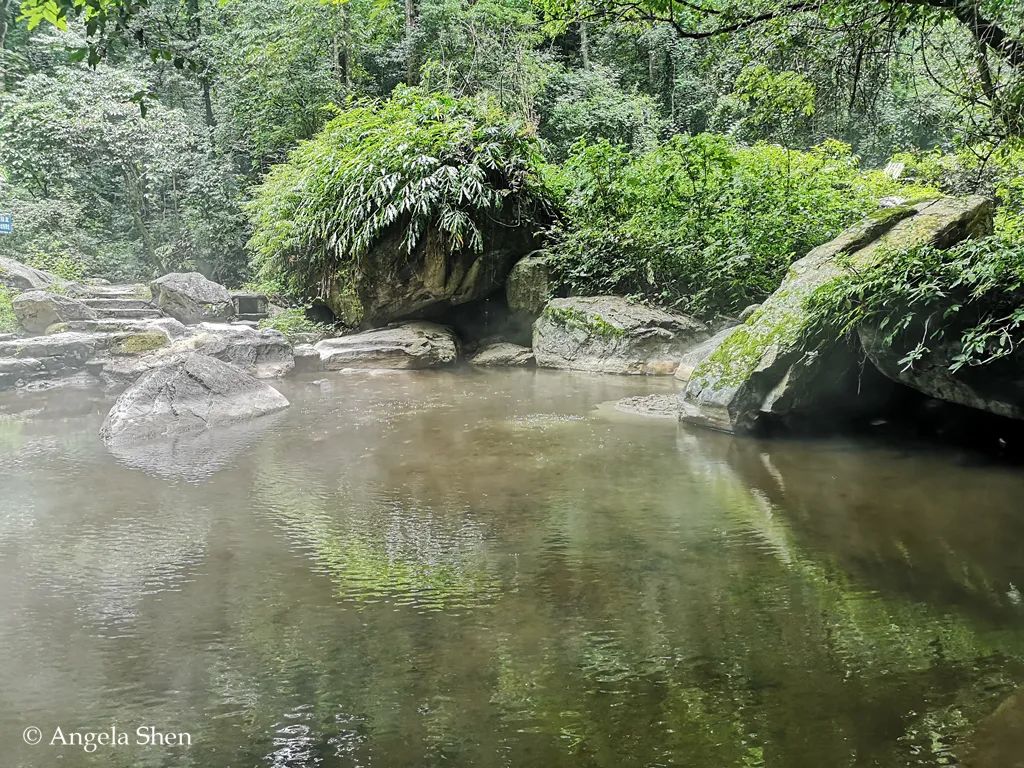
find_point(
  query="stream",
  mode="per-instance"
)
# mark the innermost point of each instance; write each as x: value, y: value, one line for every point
x: 470, y: 568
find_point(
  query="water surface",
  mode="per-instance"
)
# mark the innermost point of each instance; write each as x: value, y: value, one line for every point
x: 489, y: 569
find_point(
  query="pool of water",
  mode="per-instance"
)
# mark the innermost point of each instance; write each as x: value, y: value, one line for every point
x: 495, y: 569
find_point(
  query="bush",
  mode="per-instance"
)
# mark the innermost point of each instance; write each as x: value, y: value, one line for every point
x: 416, y: 161
x: 292, y: 322
x: 8, y: 321
x: 701, y: 222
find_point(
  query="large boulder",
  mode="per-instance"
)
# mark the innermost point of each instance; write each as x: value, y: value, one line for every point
x: 529, y: 286
x: 21, y: 277
x: 38, y: 310
x: 610, y: 334
x: 195, y: 393
x: 688, y: 363
x: 387, y: 283
x: 410, y: 345
x: 773, y: 368
x: 997, y: 387
x: 191, y: 298
x: 44, y: 357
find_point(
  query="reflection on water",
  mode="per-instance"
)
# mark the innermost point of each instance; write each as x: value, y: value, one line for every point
x: 426, y: 569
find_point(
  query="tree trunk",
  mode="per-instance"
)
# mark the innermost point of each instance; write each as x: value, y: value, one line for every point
x: 412, y: 70
x: 584, y: 45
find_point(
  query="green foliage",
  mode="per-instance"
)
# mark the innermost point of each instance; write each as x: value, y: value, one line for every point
x: 702, y: 222
x: 417, y: 162
x: 100, y: 189
x: 292, y: 322
x: 971, y: 295
x: 8, y: 322
x: 589, y: 104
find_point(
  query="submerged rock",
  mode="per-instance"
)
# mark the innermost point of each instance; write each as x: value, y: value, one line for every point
x: 193, y: 394
x: 387, y: 283
x: 21, y: 277
x: 529, y: 286
x: 38, y: 310
x: 411, y: 345
x: 657, y: 406
x: 503, y: 354
x: 764, y: 370
x: 610, y: 334
x: 191, y: 298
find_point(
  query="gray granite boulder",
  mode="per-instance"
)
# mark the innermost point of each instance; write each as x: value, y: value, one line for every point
x: 192, y: 298
x: 21, y: 277
x: 610, y: 334
x: 38, y: 310
x: 195, y: 393
x: 529, y: 286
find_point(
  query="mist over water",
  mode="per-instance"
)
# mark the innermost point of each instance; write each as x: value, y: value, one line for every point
x: 489, y: 569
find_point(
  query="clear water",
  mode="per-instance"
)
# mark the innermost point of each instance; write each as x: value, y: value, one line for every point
x: 491, y: 569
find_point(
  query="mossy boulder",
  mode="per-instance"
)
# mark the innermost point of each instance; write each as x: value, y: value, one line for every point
x: 387, y: 283
x: 765, y: 371
x: 610, y: 334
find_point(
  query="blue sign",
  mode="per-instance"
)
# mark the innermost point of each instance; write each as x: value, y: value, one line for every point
x: 6, y: 223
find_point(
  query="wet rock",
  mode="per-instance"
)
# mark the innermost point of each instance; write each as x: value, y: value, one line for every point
x: 609, y: 334
x: 307, y: 358
x: 25, y: 359
x: 388, y: 283
x: 689, y: 362
x: 38, y: 310
x: 21, y: 277
x: 656, y: 406
x: 191, y: 298
x: 503, y: 354
x: 763, y: 372
x: 529, y: 286
x: 195, y: 393
x: 410, y: 345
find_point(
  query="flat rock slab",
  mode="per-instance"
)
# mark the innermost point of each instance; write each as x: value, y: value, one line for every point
x: 503, y: 354
x: 195, y: 393
x: 609, y: 334
x: 657, y: 406
x: 406, y: 346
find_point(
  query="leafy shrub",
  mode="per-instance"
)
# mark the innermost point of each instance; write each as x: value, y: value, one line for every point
x: 972, y: 295
x: 8, y: 322
x: 702, y: 222
x: 292, y: 322
x: 416, y: 161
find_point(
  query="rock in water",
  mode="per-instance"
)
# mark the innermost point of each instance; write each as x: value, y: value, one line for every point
x: 609, y: 334
x: 21, y: 277
x: 689, y: 362
x: 191, y: 298
x: 387, y: 283
x: 763, y: 370
x: 189, y: 395
x: 529, y: 286
x: 411, y: 345
x: 503, y: 354
x: 38, y: 310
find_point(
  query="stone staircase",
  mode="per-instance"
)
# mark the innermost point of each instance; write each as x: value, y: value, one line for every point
x: 121, y: 302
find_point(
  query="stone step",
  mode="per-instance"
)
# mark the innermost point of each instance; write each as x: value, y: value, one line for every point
x: 128, y: 314
x: 107, y: 302
x: 126, y: 325
x: 122, y: 291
